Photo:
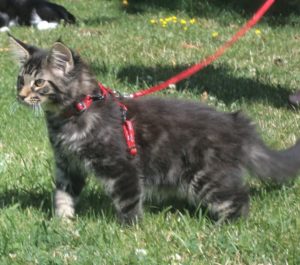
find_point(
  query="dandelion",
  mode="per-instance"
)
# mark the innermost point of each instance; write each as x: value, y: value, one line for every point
x: 258, y: 32
x: 215, y: 34
x: 164, y: 23
x: 183, y: 21
x: 192, y: 21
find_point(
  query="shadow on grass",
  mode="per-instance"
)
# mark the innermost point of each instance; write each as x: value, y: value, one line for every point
x: 93, y: 21
x: 94, y: 203
x: 39, y: 199
x: 278, y: 14
x: 216, y: 81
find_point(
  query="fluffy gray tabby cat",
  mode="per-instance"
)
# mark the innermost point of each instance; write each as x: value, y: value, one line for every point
x: 184, y: 148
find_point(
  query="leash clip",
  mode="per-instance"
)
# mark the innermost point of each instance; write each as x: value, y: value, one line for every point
x: 80, y: 106
x: 97, y: 97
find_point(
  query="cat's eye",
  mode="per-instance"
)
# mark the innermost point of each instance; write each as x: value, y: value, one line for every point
x: 43, y: 91
x: 39, y: 82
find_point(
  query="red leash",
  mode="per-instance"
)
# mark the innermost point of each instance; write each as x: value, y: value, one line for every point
x: 208, y: 60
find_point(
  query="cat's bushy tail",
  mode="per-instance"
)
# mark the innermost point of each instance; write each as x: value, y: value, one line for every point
x: 274, y: 166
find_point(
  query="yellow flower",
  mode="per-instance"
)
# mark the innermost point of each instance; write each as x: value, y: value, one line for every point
x: 125, y: 2
x: 153, y: 21
x: 192, y: 21
x: 185, y: 28
x: 258, y: 32
x: 215, y: 34
x: 164, y: 24
x: 183, y: 21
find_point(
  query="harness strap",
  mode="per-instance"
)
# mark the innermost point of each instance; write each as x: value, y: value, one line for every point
x: 127, y: 125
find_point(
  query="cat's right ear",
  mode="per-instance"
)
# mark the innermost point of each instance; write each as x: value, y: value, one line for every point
x: 61, y: 58
x: 20, y: 50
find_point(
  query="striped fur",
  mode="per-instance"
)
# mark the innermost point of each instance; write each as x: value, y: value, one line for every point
x: 184, y: 148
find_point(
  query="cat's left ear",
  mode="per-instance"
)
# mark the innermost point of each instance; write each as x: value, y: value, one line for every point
x: 20, y: 50
x: 61, y: 58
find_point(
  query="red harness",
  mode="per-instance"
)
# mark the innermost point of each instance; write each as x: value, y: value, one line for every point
x: 127, y: 124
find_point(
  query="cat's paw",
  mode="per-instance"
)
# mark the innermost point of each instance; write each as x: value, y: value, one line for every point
x: 64, y: 205
x: 129, y: 218
x: 65, y: 212
x: 44, y: 25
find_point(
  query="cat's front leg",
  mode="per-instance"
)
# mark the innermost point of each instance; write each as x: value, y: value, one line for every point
x: 124, y: 185
x: 70, y: 180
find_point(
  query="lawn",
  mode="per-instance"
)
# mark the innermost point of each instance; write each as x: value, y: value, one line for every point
x: 133, y: 48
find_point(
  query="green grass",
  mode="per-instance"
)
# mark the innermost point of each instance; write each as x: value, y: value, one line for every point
x: 128, y: 53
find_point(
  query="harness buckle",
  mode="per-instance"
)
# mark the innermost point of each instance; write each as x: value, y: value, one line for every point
x: 123, y: 114
x: 80, y: 106
x: 97, y: 97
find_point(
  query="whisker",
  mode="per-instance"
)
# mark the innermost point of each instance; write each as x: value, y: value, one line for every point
x: 41, y: 111
x: 34, y: 110
x: 13, y: 107
x: 37, y: 110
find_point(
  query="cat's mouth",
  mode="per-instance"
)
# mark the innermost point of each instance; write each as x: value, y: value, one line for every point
x: 34, y: 103
x: 29, y: 101
x: 38, y: 104
x: 34, y: 100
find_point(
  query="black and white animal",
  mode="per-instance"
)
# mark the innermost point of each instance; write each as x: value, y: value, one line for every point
x: 39, y: 13
x: 184, y: 148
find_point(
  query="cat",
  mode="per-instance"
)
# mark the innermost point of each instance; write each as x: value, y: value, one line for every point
x: 184, y: 148
x: 42, y: 14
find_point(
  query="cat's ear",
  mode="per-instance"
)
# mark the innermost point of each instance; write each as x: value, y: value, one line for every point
x: 20, y: 50
x: 61, y: 58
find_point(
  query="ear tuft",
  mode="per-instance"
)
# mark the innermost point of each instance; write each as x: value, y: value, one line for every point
x: 20, y: 50
x: 61, y: 58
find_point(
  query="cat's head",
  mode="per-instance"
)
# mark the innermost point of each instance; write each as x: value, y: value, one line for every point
x: 53, y: 78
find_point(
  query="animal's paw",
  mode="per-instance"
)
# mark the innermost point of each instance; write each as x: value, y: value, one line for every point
x: 64, y: 205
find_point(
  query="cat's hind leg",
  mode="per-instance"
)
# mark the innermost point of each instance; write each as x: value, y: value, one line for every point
x: 222, y: 192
